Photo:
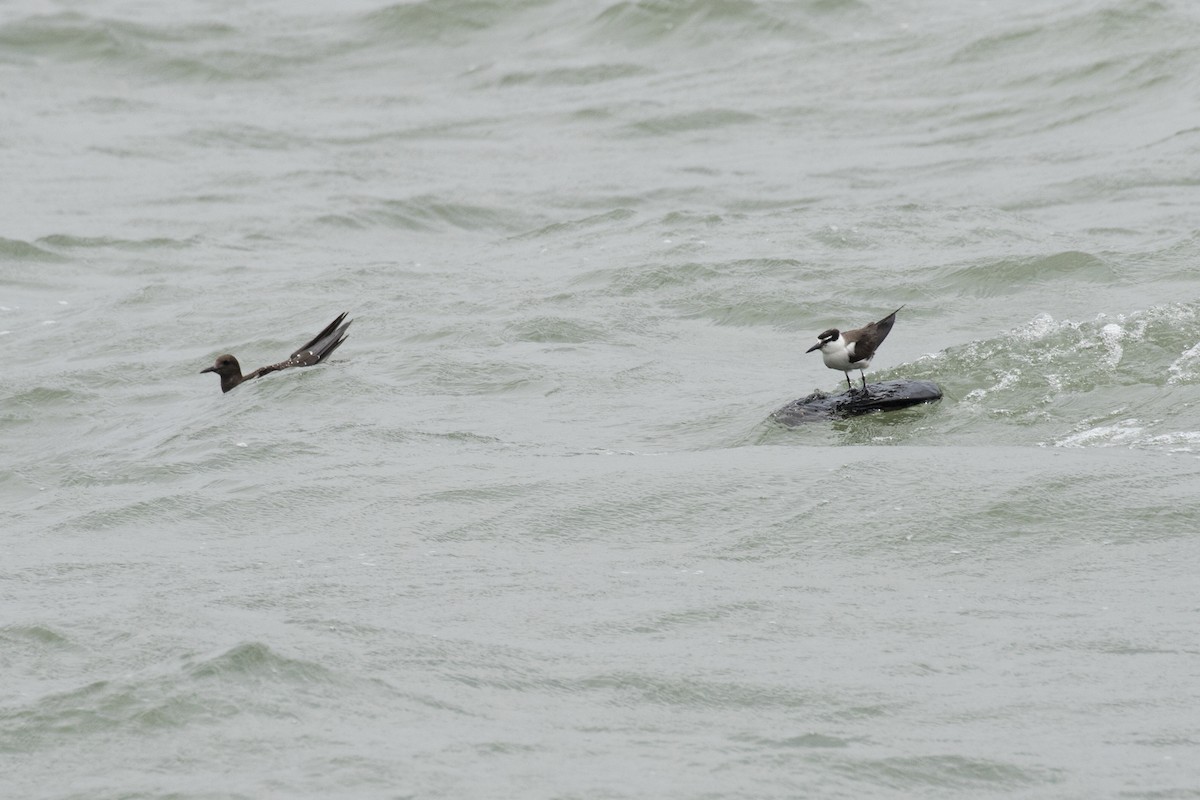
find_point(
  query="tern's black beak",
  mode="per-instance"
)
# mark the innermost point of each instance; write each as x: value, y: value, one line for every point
x: 213, y: 368
x: 816, y: 346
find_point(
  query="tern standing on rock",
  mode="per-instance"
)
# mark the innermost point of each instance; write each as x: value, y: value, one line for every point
x: 852, y: 350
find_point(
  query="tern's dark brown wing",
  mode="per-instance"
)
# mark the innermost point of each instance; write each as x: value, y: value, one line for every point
x: 868, y: 338
x: 314, y: 351
x: 320, y: 348
x: 329, y: 329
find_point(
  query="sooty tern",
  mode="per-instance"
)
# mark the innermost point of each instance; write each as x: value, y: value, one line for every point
x: 312, y: 352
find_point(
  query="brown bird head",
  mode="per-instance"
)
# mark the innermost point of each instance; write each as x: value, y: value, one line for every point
x: 228, y: 368
x: 224, y: 365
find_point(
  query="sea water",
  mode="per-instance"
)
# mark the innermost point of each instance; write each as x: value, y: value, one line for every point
x: 531, y: 531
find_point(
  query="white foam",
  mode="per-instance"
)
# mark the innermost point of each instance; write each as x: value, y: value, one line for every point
x: 1183, y: 368
x: 1007, y: 379
x: 1178, y: 442
x: 1111, y: 335
x: 1039, y: 327
x: 1126, y: 431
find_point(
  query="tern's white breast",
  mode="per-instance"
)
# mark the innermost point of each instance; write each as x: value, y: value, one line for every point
x: 837, y: 355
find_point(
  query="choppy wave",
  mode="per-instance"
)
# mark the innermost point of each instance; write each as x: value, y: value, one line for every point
x: 586, y: 247
x: 1038, y: 375
x: 12, y: 250
x: 247, y: 679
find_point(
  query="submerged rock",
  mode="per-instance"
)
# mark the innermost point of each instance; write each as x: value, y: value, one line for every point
x: 884, y: 396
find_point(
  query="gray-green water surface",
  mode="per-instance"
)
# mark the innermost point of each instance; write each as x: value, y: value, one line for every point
x: 531, y: 533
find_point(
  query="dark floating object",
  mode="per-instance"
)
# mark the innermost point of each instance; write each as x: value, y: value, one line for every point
x: 883, y: 396
x: 311, y: 352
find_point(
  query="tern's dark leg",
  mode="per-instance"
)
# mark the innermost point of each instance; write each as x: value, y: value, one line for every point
x: 849, y: 385
x: 864, y: 379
